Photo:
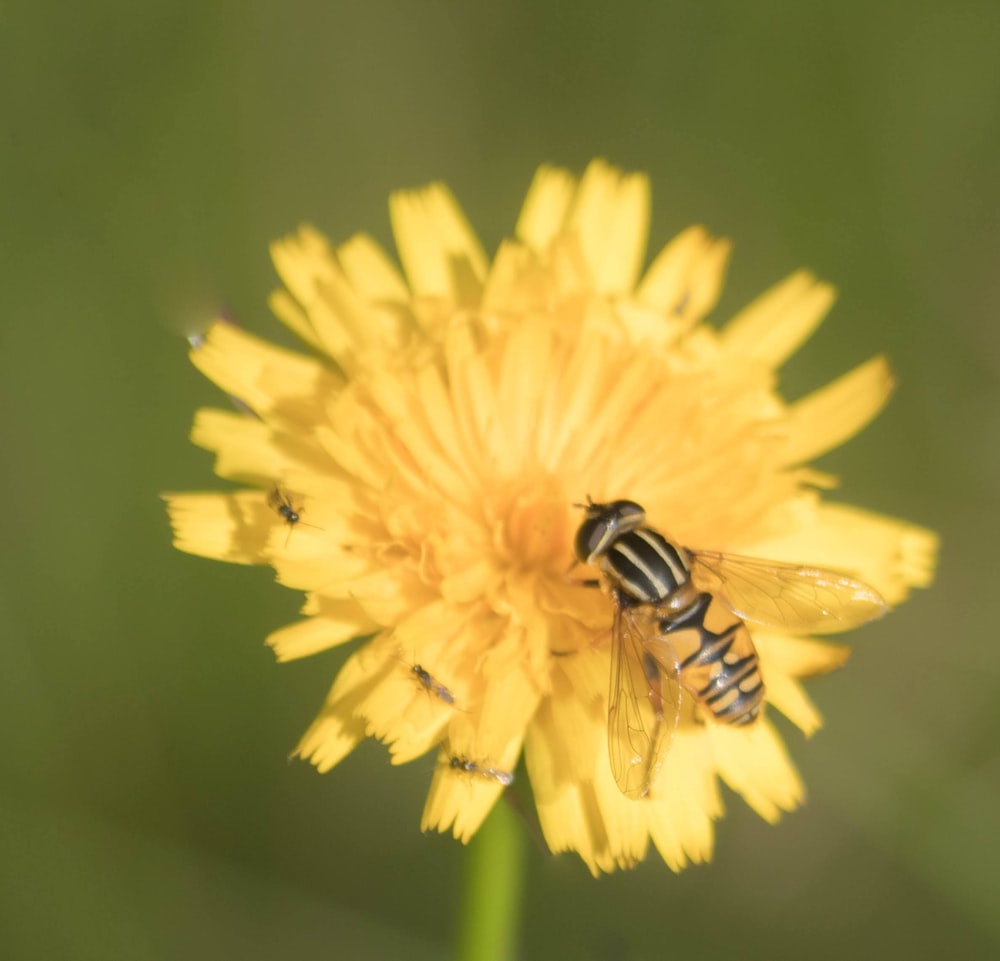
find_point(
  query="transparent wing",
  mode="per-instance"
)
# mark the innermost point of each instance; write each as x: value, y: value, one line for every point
x: 786, y: 596
x: 643, y: 704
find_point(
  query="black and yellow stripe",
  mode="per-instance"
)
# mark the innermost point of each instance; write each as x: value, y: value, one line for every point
x: 718, y: 664
x: 717, y: 660
x: 645, y: 566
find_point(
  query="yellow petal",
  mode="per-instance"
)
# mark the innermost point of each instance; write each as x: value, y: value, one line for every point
x: 422, y: 449
x: 349, y: 451
x: 569, y: 815
x: 473, y: 396
x: 330, y: 739
x: 301, y: 259
x: 544, y: 211
x: 686, y: 277
x: 836, y: 412
x: 568, y: 723
x: 682, y: 833
x: 387, y: 597
x: 524, y: 377
x: 508, y: 701
x: 266, y: 378
x: 686, y: 801
x: 227, y: 527
x: 327, y: 310
x: 409, y: 715
x: 754, y: 763
x: 439, y: 251
x: 610, y: 214
x: 345, y: 325
x: 776, y: 324
x: 370, y: 271
x: 420, y: 725
x: 624, y: 822
x: 568, y: 824
x: 318, y: 633
x: 787, y: 695
x: 798, y: 656
x: 566, y: 741
x: 307, y: 264
x: 338, y: 729
x: 400, y: 711
x: 460, y: 800
x: 317, y: 565
x: 248, y: 450
x: 508, y: 289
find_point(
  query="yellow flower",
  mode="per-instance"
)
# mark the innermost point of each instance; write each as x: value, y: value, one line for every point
x: 417, y: 475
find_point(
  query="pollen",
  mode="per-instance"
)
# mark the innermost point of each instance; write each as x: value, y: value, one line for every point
x: 431, y: 445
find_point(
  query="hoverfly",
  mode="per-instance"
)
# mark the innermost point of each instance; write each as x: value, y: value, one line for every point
x: 679, y: 629
x: 461, y: 763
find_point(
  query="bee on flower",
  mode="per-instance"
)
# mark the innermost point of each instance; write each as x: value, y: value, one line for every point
x: 447, y: 419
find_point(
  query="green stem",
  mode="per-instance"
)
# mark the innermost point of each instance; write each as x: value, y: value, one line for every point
x: 492, y: 894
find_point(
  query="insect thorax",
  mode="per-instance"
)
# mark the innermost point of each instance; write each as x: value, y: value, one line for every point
x: 644, y: 567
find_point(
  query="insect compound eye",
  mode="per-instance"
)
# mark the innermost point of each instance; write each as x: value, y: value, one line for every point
x: 604, y: 523
x: 589, y: 537
x: 626, y: 513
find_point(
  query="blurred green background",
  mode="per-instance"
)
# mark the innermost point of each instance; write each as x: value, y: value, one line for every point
x: 149, y: 154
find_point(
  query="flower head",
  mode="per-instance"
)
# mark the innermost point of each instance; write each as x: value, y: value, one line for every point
x: 416, y: 476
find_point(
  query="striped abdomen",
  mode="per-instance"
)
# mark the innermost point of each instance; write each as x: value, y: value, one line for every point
x: 718, y: 662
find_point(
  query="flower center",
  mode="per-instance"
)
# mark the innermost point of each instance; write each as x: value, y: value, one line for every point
x: 531, y: 526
